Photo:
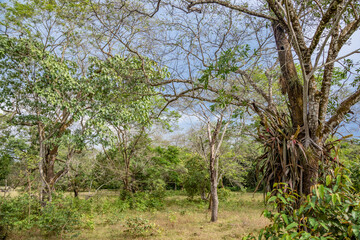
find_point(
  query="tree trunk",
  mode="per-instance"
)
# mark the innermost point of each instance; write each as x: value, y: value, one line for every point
x: 203, y: 196
x: 311, y: 173
x: 214, y: 201
x: 75, y: 186
x: 214, y: 196
x: 292, y: 86
x: 126, y: 181
x: 43, y: 184
x: 76, y: 192
x: 48, y: 172
x: 127, y: 176
x: 289, y: 80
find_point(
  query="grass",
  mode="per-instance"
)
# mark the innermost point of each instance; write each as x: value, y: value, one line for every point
x: 180, y: 218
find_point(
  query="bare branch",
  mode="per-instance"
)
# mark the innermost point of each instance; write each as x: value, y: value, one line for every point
x: 341, y: 111
x: 231, y: 6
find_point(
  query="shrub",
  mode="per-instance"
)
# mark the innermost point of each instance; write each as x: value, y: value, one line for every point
x: 197, y: 181
x: 224, y: 194
x: 139, y: 226
x: 332, y: 211
x: 145, y: 200
x: 19, y: 212
x: 58, y: 216
x: 24, y: 212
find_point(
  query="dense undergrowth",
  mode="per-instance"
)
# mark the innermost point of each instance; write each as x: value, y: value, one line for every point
x: 332, y: 211
x: 65, y: 214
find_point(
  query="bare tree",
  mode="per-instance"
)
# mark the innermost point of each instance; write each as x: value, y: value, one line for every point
x: 216, y: 124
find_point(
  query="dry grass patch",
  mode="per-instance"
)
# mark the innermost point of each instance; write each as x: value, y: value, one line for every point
x: 184, y: 219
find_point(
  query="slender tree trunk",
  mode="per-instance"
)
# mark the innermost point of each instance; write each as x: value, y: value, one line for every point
x: 43, y: 184
x: 214, y: 201
x: 76, y: 192
x: 210, y: 202
x: 127, y: 176
x: 214, y: 195
x: 29, y: 190
x: 75, y: 187
x: 203, y: 196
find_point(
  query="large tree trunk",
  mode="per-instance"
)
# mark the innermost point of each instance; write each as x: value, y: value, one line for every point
x: 292, y: 86
x: 50, y: 177
x: 311, y: 172
x: 49, y: 174
x: 289, y: 80
x: 48, y: 154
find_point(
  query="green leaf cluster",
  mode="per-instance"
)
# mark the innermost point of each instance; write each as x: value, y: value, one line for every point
x: 332, y: 211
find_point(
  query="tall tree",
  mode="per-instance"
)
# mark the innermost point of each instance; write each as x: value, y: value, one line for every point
x: 315, y: 32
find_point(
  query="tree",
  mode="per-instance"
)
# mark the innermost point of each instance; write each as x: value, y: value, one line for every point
x: 43, y: 77
x: 122, y: 124
x: 49, y: 93
x: 41, y: 91
x: 215, y: 137
x: 316, y: 33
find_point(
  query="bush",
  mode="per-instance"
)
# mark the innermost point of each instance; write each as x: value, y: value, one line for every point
x: 18, y: 213
x: 59, y: 216
x: 24, y: 212
x: 139, y: 226
x: 197, y: 181
x: 332, y: 211
x: 144, y: 200
x: 224, y: 194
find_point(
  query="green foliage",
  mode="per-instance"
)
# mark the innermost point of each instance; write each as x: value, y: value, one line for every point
x: 225, y: 65
x: 332, y: 211
x: 13, y: 149
x: 120, y: 83
x: 237, y: 163
x: 197, y: 180
x: 24, y: 212
x: 143, y: 201
x: 59, y: 216
x: 49, y: 91
x: 5, y: 162
x: 224, y: 194
x: 138, y: 226
x: 18, y: 213
x: 349, y: 153
x: 167, y: 169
